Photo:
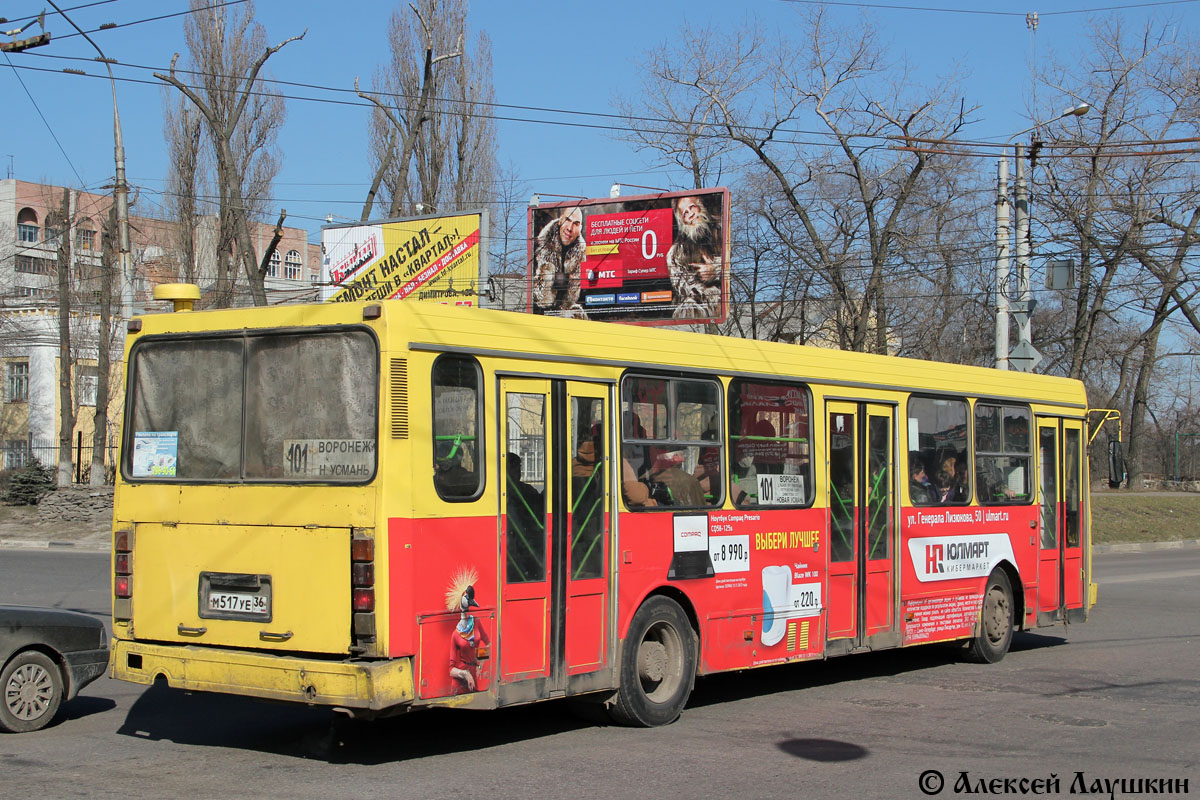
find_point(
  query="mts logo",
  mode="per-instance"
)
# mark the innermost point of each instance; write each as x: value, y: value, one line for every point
x: 933, y: 558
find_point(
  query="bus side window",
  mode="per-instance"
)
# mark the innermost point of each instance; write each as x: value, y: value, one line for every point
x: 457, y: 410
x: 769, y: 435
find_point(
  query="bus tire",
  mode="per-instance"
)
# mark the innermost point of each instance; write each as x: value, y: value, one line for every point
x: 31, y: 690
x: 995, y: 621
x: 658, y: 665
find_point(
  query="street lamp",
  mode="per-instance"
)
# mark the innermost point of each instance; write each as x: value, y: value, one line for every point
x: 1025, y: 354
x: 121, y: 188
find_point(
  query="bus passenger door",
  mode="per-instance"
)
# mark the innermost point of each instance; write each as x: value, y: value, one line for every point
x: 583, y: 561
x: 555, y: 523
x: 841, y: 607
x: 1049, y: 593
x: 1074, y: 485
x: 1061, y: 576
x: 862, y: 524
x: 527, y: 512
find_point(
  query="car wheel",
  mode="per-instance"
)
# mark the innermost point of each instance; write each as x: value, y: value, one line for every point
x: 995, y: 622
x: 658, y: 665
x: 32, y: 692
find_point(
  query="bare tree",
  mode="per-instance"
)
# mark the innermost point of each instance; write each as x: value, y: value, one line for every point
x: 242, y: 117
x: 187, y: 167
x: 432, y: 134
x: 844, y: 194
x: 109, y: 259
x: 60, y: 222
x: 1125, y: 195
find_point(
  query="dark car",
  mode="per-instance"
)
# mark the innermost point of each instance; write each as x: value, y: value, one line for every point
x: 48, y: 655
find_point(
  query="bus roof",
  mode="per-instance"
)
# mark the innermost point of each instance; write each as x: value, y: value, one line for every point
x: 436, y: 327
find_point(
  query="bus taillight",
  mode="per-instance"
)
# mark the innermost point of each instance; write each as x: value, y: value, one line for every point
x: 123, y: 575
x: 362, y: 597
x: 364, y: 600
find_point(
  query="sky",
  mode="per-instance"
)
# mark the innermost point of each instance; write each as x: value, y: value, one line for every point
x: 572, y: 56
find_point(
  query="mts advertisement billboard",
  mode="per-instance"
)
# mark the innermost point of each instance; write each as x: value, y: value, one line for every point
x: 436, y: 258
x: 659, y: 259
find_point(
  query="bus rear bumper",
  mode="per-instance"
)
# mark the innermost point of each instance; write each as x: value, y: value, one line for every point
x: 347, y: 684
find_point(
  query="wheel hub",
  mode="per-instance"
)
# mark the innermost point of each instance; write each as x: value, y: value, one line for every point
x: 28, y: 692
x: 652, y: 661
x: 996, y: 618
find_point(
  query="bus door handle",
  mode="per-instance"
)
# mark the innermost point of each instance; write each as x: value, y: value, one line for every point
x: 269, y: 636
x: 184, y: 630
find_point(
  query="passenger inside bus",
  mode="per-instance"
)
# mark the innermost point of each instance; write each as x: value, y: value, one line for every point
x: 526, y: 525
x: 920, y: 490
x: 671, y: 485
x: 636, y: 493
x: 450, y: 477
x: 753, y: 457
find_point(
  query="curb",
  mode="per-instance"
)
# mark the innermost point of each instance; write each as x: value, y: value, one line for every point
x: 1146, y: 547
x: 37, y: 544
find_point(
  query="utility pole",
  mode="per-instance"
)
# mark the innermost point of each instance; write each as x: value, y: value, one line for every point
x: 1002, y: 238
x: 1024, y: 356
x: 120, y: 187
x: 18, y: 45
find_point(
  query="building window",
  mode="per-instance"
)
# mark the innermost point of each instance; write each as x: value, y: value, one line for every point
x: 29, y: 291
x: 27, y: 226
x: 16, y: 454
x: 292, y: 265
x: 273, y: 266
x: 32, y: 265
x: 85, y: 385
x: 85, y: 238
x: 18, y: 382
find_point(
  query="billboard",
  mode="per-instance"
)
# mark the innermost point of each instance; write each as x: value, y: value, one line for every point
x: 437, y: 258
x: 659, y: 259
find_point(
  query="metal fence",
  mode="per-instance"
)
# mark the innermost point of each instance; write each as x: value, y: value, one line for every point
x: 18, y: 454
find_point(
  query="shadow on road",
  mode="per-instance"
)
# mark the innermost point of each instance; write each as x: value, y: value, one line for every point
x: 824, y: 750
x: 214, y: 720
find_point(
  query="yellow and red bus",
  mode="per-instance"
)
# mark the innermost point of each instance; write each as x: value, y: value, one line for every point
x: 385, y: 506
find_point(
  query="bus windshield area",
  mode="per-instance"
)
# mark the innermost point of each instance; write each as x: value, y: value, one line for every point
x: 279, y: 407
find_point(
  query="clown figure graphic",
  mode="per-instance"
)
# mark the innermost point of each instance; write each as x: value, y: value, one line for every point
x: 469, y: 643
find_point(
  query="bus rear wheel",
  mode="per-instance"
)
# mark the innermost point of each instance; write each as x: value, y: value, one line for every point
x: 995, y: 621
x: 658, y: 665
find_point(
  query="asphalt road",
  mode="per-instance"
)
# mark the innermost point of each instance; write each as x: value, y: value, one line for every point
x: 1116, y: 698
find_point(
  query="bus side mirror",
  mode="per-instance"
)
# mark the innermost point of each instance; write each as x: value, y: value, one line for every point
x: 1116, y: 464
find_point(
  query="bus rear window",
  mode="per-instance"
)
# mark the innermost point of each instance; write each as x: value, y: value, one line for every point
x: 295, y: 407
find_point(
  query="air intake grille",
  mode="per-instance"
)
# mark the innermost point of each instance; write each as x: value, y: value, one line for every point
x: 399, y: 388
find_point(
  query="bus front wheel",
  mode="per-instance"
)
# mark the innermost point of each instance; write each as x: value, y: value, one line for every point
x: 658, y: 665
x: 995, y: 633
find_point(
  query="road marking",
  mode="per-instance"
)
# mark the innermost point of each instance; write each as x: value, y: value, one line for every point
x: 1151, y: 576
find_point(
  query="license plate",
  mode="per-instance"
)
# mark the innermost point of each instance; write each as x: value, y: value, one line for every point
x: 238, y: 603
x: 235, y: 595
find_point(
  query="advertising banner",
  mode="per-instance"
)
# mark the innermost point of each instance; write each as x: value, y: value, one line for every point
x: 658, y: 259
x: 438, y: 258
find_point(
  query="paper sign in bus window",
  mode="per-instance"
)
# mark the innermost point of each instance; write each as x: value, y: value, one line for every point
x: 155, y: 454
x: 780, y: 490
x: 331, y: 459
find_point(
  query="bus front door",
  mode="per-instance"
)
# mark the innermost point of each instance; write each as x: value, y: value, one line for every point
x: 555, y: 550
x: 861, y: 490
x: 1061, y: 573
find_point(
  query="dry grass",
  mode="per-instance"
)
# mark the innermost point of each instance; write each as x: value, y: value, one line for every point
x: 1144, y: 517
